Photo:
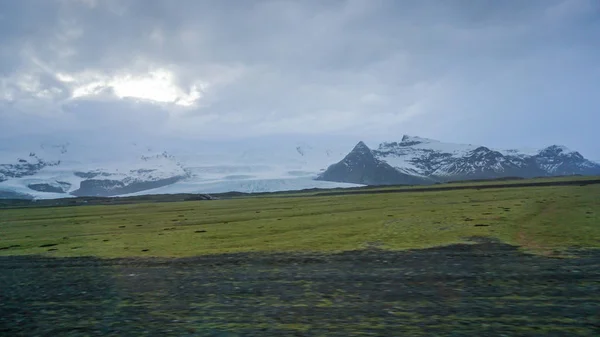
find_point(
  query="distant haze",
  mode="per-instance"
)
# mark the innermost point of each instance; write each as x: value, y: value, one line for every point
x: 507, y: 74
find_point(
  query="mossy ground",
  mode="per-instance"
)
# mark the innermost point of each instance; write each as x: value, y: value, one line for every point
x: 480, y: 289
x: 546, y: 220
x: 344, y: 265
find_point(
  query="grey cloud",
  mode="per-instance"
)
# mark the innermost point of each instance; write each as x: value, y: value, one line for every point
x: 454, y: 70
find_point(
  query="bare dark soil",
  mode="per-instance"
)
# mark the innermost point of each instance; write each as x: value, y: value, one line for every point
x: 484, y: 289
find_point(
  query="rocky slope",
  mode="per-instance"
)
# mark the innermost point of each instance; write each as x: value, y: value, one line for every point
x: 361, y: 166
x: 24, y: 166
x: 416, y: 160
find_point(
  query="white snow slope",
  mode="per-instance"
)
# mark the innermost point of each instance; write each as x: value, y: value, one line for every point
x: 198, y: 167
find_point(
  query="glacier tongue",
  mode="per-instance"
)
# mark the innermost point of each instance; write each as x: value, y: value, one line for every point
x: 245, y: 186
x: 132, y: 168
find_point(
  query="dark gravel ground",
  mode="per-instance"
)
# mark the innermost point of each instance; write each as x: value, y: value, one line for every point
x: 484, y: 289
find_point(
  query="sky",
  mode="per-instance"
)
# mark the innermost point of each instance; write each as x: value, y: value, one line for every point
x: 504, y: 74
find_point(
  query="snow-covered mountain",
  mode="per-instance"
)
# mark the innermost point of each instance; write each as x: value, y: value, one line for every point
x: 49, y: 170
x: 362, y: 166
x: 423, y: 160
x: 53, y: 169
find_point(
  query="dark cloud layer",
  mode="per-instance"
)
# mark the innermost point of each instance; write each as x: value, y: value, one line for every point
x: 504, y: 73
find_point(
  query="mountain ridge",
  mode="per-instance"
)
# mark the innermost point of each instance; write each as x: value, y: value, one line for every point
x: 431, y: 161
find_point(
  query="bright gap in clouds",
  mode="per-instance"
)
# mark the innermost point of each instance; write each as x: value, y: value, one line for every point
x: 157, y: 86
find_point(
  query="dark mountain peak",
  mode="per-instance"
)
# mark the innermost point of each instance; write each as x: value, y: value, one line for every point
x: 360, y: 152
x: 361, y: 145
x: 559, y: 150
x: 485, y: 152
x: 554, y: 149
x: 487, y: 159
x: 481, y: 149
x: 361, y: 148
x: 414, y: 140
x: 409, y: 141
x: 559, y: 160
x: 387, y: 146
x: 361, y: 167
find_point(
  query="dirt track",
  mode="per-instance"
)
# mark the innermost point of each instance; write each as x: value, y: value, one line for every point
x: 486, y: 289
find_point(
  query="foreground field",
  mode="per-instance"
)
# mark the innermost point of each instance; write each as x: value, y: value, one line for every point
x: 481, y: 289
x: 546, y: 220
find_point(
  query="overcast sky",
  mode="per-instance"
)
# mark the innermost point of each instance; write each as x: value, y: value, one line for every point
x: 500, y: 73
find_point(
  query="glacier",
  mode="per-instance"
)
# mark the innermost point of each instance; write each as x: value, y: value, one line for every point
x: 47, y: 169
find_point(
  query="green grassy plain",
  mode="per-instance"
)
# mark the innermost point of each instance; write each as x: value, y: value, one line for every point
x: 545, y: 220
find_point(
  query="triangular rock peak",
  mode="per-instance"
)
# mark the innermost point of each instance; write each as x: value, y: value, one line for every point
x: 423, y: 160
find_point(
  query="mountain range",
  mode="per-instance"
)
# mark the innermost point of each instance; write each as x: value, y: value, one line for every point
x: 416, y: 160
x: 65, y: 169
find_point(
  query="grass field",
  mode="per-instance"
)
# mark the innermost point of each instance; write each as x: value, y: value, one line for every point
x: 285, y: 273
x: 544, y: 220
